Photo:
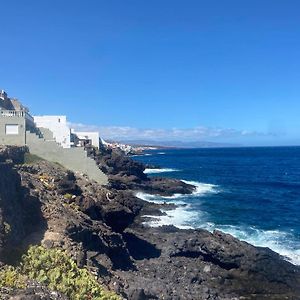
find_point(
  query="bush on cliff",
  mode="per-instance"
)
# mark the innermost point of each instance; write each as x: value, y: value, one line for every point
x: 53, y: 268
x: 12, y: 278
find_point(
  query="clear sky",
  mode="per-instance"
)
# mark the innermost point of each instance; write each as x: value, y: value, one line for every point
x: 214, y: 70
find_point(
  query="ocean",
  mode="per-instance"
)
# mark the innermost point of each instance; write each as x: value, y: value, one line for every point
x: 251, y: 193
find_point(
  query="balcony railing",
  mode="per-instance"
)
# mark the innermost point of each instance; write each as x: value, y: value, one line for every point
x: 16, y: 113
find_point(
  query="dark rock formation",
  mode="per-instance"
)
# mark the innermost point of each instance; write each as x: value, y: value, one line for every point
x: 13, y: 153
x: 20, y: 211
x: 114, y: 162
x: 195, y: 264
x: 127, y: 174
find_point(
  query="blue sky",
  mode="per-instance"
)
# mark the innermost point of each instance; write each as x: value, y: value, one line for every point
x: 224, y: 71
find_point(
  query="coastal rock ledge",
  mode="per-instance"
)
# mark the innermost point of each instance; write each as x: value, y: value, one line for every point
x: 101, y: 229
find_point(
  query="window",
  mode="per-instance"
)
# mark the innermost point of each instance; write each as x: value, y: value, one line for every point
x: 11, y: 129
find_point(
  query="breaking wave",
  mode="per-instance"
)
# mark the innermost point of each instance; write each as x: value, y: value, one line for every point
x: 257, y: 202
x: 155, y: 171
x: 180, y: 217
x: 185, y: 217
x: 279, y: 241
x: 202, y: 188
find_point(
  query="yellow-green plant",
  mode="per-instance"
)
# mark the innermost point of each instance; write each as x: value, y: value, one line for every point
x: 68, y: 196
x: 55, y: 269
x: 11, y: 277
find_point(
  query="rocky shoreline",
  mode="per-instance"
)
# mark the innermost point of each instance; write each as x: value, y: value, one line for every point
x: 102, y: 229
x: 127, y: 174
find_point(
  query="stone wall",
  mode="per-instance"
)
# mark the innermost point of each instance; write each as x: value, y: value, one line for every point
x: 74, y: 159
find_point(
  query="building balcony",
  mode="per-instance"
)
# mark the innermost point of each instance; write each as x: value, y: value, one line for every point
x: 16, y: 113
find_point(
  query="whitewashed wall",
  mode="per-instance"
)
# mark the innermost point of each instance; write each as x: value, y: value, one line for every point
x: 58, y: 125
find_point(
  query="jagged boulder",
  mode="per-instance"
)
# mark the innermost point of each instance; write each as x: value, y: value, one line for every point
x: 114, y: 162
x: 12, y: 153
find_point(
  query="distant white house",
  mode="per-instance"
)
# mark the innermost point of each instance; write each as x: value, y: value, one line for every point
x: 64, y: 135
x: 86, y: 137
x: 59, y: 127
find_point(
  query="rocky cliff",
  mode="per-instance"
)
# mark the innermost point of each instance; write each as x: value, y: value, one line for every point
x: 42, y: 203
x: 127, y: 174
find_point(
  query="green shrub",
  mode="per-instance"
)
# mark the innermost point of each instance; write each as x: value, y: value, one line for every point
x: 68, y: 196
x: 56, y: 270
x: 11, y: 277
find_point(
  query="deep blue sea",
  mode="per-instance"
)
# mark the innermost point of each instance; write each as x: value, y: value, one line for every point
x: 251, y: 193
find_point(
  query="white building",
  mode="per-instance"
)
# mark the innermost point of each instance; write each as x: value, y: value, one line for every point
x: 91, y: 137
x: 64, y: 135
x: 58, y: 125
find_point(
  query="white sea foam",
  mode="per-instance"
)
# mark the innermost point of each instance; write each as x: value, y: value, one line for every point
x: 179, y: 217
x: 154, y: 171
x: 161, y: 153
x: 202, y: 188
x: 182, y: 216
x: 159, y: 199
x: 278, y: 241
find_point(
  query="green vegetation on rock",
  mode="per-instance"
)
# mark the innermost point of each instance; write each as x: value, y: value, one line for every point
x: 12, y: 278
x: 53, y: 268
x: 68, y: 196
